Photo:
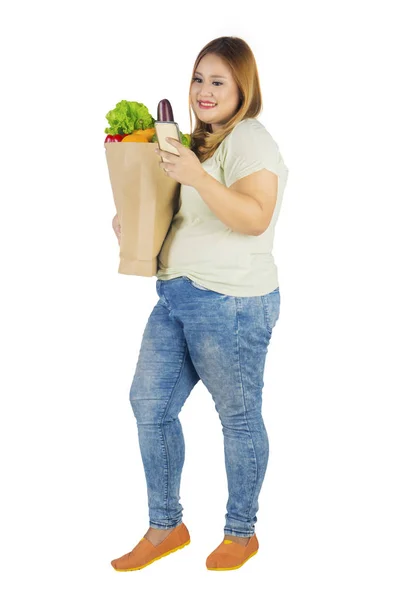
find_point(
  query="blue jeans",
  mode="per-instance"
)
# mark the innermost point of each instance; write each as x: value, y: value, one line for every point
x: 194, y: 333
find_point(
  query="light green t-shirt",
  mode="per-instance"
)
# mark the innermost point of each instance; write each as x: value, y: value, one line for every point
x: 199, y: 246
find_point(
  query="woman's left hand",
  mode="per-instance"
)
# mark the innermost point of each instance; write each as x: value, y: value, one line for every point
x: 185, y: 168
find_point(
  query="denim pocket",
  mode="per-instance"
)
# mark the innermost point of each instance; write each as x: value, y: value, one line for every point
x: 272, y: 306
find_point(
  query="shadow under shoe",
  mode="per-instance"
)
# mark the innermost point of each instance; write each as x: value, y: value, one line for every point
x: 145, y: 553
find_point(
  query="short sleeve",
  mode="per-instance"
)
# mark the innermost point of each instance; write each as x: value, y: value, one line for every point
x: 250, y: 148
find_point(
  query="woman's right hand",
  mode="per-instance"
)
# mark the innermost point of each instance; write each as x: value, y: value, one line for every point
x: 117, y: 228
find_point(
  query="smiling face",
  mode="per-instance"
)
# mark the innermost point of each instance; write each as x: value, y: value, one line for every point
x: 213, y: 83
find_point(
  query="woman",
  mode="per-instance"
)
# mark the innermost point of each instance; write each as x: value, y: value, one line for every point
x: 218, y: 303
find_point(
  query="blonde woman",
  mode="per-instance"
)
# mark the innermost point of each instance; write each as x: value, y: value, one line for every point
x: 219, y: 301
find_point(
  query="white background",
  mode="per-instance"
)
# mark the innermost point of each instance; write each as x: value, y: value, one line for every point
x: 74, y: 494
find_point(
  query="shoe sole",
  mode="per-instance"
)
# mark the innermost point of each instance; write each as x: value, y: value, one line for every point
x: 231, y: 568
x: 154, y: 559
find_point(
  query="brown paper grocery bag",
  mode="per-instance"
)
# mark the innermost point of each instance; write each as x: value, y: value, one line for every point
x: 146, y: 200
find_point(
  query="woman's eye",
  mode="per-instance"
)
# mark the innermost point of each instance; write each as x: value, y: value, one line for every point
x: 198, y: 79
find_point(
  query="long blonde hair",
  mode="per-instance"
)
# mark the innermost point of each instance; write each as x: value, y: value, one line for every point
x: 237, y: 54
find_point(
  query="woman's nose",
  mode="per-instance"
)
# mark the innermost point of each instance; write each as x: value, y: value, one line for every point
x: 206, y: 88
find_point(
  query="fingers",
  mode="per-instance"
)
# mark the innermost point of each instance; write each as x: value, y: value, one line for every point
x: 165, y: 164
x: 165, y: 155
x: 117, y: 228
x: 117, y: 231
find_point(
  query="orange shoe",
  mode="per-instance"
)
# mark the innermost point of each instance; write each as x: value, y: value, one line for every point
x: 231, y: 555
x: 145, y: 552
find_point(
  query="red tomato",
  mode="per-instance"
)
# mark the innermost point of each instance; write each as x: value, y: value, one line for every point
x: 114, y: 138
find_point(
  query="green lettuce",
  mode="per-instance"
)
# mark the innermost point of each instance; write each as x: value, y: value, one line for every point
x: 185, y: 139
x: 128, y: 116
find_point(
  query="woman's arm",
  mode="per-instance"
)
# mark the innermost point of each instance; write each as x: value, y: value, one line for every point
x: 240, y: 212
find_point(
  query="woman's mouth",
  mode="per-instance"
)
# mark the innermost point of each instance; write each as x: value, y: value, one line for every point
x: 206, y: 105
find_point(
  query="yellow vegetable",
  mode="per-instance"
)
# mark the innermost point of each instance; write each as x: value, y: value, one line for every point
x: 148, y: 133
x: 134, y: 137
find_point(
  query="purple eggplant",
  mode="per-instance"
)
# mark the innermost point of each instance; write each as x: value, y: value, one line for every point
x: 164, y: 111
